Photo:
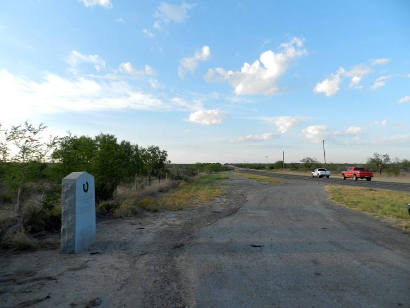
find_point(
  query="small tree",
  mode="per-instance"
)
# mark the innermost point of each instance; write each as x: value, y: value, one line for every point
x: 379, y: 161
x: 155, y: 162
x: 74, y: 154
x: 27, y: 150
x: 309, y: 162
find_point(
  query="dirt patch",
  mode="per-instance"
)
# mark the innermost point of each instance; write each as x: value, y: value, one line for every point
x: 134, y: 262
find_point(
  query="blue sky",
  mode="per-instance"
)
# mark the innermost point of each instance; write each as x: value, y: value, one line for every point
x: 227, y: 81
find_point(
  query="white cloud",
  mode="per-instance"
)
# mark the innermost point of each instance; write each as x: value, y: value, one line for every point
x: 128, y: 68
x: 380, y: 81
x: 261, y: 137
x: 283, y: 123
x: 167, y: 13
x: 357, y: 74
x: 148, y: 70
x: 316, y: 133
x: 103, y: 3
x: 148, y: 32
x: 218, y: 74
x: 183, y: 105
x: 206, y: 117
x: 329, y: 86
x: 404, y: 100
x: 261, y: 76
x: 190, y: 64
x: 54, y: 94
x: 76, y: 58
x: 353, y: 130
x: 380, y: 61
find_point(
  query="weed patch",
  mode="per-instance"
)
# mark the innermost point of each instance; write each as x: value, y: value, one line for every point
x: 149, y: 204
x: 379, y: 203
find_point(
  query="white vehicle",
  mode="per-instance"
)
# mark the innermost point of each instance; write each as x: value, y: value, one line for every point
x: 320, y: 173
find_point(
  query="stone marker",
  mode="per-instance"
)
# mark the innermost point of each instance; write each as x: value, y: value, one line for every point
x: 78, y: 212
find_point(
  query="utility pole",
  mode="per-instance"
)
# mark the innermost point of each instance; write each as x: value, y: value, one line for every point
x: 324, y: 152
x: 283, y: 159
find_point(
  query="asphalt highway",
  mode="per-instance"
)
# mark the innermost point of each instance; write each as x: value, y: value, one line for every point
x: 335, y: 180
x: 288, y: 246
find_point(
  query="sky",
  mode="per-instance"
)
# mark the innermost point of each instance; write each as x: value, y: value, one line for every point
x: 213, y: 81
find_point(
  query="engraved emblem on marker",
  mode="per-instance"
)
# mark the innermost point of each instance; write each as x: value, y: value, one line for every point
x: 85, y: 186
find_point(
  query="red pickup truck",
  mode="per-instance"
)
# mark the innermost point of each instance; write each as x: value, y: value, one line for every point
x: 357, y: 173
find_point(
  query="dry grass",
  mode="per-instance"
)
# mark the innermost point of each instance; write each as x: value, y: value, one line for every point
x: 149, y: 204
x: 380, y: 203
x: 201, y: 189
x: 258, y: 178
x: 130, y: 190
x: 131, y: 196
x: 127, y: 199
x: 126, y: 209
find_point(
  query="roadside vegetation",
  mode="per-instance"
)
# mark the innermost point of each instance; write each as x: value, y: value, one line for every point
x: 380, y: 164
x: 202, y: 188
x: 199, y: 189
x: 380, y: 203
x: 32, y: 167
x: 258, y: 178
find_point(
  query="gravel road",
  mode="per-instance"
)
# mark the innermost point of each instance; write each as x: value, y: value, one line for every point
x: 259, y: 245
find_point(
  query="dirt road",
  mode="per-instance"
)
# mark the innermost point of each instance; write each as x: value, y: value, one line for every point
x: 260, y: 245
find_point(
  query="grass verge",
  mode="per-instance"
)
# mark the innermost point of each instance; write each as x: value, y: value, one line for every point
x: 202, y: 189
x: 259, y: 178
x: 380, y: 203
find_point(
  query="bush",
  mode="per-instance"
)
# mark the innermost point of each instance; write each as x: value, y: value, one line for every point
x: 109, y: 161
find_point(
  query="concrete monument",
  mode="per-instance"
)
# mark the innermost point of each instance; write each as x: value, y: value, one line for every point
x: 78, y: 212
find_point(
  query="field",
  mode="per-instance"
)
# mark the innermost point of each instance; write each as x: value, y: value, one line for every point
x: 380, y: 203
